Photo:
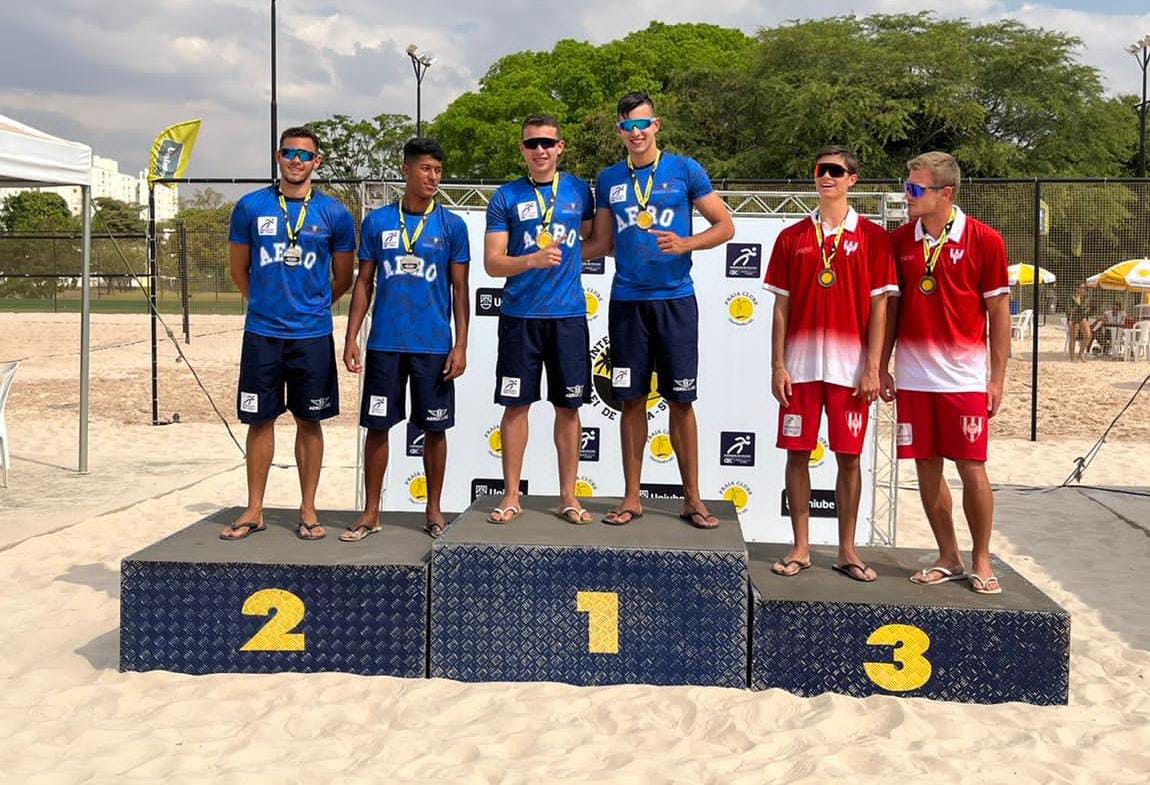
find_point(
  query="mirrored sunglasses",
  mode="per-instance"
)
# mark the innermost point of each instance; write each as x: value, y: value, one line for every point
x: 293, y: 153
x: 918, y: 191
x: 639, y: 123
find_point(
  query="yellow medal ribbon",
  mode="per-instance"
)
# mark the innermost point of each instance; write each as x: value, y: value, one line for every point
x: 409, y: 243
x: 546, y: 211
x: 643, y: 197
x: 931, y: 256
x: 293, y: 233
x: 827, y: 260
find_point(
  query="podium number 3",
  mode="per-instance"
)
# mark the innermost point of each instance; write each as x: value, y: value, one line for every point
x: 602, y: 609
x: 910, y: 669
x: 276, y: 634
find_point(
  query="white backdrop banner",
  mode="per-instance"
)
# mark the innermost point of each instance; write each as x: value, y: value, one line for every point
x: 736, y: 413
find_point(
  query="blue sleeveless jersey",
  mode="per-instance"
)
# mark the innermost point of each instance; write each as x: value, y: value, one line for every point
x: 290, y: 301
x: 556, y: 292
x: 641, y: 271
x: 413, y: 301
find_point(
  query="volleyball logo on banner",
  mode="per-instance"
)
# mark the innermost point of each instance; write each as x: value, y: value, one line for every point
x: 493, y: 437
x: 417, y: 488
x: 738, y: 494
x: 594, y: 303
x: 818, y: 454
x: 603, y: 392
x: 659, y: 447
x: 741, y: 308
x: 585, y: 487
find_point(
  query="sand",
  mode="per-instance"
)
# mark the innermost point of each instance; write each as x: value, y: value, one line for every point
x: 68, y: 716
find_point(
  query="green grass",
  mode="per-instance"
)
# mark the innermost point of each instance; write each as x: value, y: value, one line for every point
x: 207, y: 303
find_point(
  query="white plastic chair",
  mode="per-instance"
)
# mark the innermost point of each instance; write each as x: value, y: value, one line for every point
x: 1021, y: 324
x: 7, y: 374
x: 1138, y: 343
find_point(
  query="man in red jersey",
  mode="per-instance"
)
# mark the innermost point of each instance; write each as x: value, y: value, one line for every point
x: 830, y: 274
x: 952, y: 275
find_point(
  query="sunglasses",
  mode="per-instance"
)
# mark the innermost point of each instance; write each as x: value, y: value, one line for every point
x: 832, y: 170
x: 535, y: 142
x: 294, y: 153
x: 639, y: 123
x: 918, y: 191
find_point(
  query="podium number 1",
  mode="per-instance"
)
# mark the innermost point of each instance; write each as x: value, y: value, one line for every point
x: 910, y: 669
x: 276, y: 634
x: 602, y: 609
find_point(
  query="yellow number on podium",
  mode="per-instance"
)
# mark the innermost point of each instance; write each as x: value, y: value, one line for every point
x: 910, y: 669
x: 277, y: 634
x: 602, y: 609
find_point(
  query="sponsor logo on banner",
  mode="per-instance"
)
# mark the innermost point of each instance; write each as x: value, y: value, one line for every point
x: 819, y: 454
x: 737, y: 448
x: 594, y: 303
x: 494, y: 440
x: 596, y: 266
x: 585, y: 487
x: 744, y: 260
x: 659, y: 447
x: 659, y: 490
x: 417, y: 488
x: 267, y: 225
x: 738, y: 494
x: 492, y: 486
x: 414, y: 441
x: 741, y: 308
x: 589, y: 445
x: 972, y: 428
x: 822, y: 504
x: 249, y: 402
x: 602, y: 379
x: 905, y: 434
x: 487, y: 302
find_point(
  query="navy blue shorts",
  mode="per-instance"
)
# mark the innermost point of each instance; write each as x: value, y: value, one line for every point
x: 527, y: 346
x: 305, y: 366
x: 658, y: 335
x: 386, y: 377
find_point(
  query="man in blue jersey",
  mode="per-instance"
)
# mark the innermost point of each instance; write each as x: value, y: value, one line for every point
x: 419, y: 253
x: 535, y: 227
x: 645, y: 201
x: 290, y: 255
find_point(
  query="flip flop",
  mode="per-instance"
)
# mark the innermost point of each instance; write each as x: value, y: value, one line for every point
x: 360, y: 532
x: 979, y: 585
x: 700, y: 520
x: 500, y: 515
x: 435, y: 529
x: 309, y: 527
x: 846, y: 569
x: 574, y: 515
x: 785, y: 565
x: 615, y: 517
x: 947, y: 576
x: 251, y: 528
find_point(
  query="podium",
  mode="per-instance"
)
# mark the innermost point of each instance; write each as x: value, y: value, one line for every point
x: 193, y: 603
x: 538, y: 599
x: 820, y: 632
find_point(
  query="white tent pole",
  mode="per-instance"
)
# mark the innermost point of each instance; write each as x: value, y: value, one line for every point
x: 85, y: 322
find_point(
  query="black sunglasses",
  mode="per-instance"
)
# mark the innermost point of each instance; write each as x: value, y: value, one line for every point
x: 535, y: 142
x: 833, y: 170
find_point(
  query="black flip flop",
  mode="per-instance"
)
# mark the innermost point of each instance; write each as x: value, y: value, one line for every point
x: 845, y: 569
x: 613, y: 518
x: 803, y: 565
x: 251, y: 526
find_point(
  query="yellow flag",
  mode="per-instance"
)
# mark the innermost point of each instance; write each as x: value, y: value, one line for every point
x: 172, y: 150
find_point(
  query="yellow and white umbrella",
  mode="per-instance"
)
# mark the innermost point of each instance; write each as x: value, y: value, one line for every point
x: 1023, y: 274
x: 1132, y: 275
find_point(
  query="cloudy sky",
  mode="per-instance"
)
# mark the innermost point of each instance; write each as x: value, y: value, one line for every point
x: 114, y: 74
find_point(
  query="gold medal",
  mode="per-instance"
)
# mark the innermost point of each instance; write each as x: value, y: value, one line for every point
x: 644, y: 221
x: 827, y: 278
x: 544, y: 239
x: 928, y: 285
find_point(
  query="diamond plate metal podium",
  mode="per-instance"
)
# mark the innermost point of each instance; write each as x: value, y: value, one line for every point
x: 822, y: 632
x: 193, y: 603
x: 539, y: 599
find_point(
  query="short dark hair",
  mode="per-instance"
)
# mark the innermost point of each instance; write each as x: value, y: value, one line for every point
x: 632, y: 101
x: 300, y: 132
x: 419, y: 146
x: 849, y: 158
x: 541, y: 120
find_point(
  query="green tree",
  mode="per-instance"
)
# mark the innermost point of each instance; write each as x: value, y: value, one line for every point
x: 37, y: 211
x: 41, y: 213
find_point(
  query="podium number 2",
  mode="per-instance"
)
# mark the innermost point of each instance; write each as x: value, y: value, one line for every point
x: 910, y: 669
x: 276, y: 634
x: 602, y: 609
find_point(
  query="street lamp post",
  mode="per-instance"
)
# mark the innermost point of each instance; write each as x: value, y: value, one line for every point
x: 1141, y: 52
x: 420, y: 62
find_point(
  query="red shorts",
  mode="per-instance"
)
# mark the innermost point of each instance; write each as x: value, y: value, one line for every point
x: 846, y: 418
x: 951, y: 425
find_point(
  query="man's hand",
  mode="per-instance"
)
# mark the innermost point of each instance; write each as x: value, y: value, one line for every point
x: 456, y: 363
x: 351, y: 356
x: 545, y: 258
x: 886, y: 386
x: 868, y: 385
x: 671, y: 243
x: 781, y: 386
x: 993, y: 398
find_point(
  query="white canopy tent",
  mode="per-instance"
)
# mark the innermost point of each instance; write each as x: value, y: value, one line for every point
x: 30, y: 158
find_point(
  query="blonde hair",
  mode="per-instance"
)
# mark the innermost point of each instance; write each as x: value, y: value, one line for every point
x: 942, y: 167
